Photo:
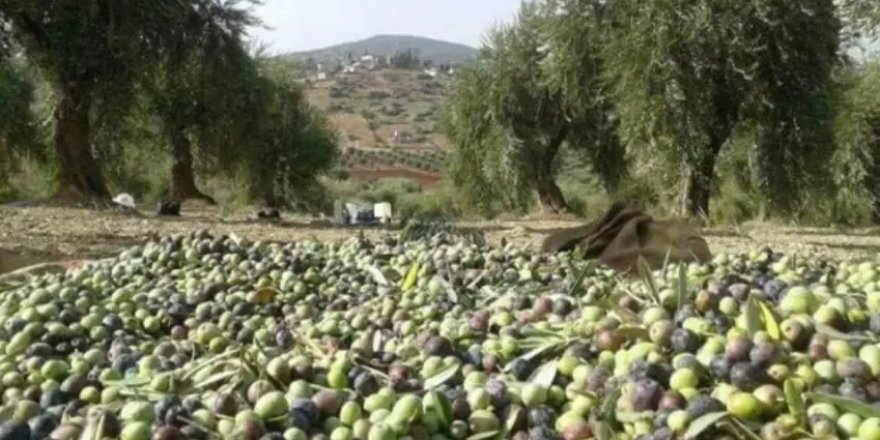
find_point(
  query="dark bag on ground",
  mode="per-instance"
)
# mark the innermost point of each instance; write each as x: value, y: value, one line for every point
x: 624, y: 234
x: 168, y: 208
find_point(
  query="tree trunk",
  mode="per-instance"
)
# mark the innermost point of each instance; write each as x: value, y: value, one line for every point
x: 701, y: 180
x: 79, y: 174
x: 875, y: 212
x: 183, y: 179
x: 549, y: 195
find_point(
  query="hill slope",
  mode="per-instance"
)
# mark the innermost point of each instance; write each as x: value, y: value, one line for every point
x: 439, y: 52
x: 388, y: 121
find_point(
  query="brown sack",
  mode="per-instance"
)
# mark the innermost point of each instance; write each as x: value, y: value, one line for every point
x: 618, y: 238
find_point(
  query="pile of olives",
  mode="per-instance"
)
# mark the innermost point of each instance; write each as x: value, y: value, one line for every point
x: 216, y: 337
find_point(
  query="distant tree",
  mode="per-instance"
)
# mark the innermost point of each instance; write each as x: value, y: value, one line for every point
x: 407, y: 60
x: 690, y: 75
x: 93, y: 52
x: 289, y: 143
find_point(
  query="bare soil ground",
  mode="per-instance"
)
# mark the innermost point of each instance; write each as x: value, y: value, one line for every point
x: 37, y: 234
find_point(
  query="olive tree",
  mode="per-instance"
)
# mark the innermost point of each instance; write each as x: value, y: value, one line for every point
x: 509, y: 116
x: 199, y: 94
x: 93, y: 52
x: 289, y: 143
x: 688, y: 76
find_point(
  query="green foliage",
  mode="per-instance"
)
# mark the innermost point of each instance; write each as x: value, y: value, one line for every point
x: 861, y: 19
x: 857, y: 136
x: 535, y: 88
x: 95, y: 53
x: 103, y: 46
x: 476, y: 162
x: 689, y: 76
x: 18, y: 128
x: 576, y: 32
x: 200, y: 91
x: 290, y: 144
x: 407, y: 59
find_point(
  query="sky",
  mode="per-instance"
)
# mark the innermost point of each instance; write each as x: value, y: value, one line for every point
x: 298, y: 25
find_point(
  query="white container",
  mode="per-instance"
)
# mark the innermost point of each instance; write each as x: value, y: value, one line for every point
x: 352, y: 213
x: 382, y: 211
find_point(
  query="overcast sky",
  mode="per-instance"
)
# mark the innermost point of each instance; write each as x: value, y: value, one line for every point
x: 297, y: 25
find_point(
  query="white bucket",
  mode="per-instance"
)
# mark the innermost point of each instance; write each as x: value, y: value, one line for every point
x: 125, y: 200
x: 382, y: 211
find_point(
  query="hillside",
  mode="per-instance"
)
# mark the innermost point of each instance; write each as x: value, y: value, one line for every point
x: 388, y: 121
x: 439, y: 52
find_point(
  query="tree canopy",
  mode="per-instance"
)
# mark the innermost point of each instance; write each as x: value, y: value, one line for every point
x: 95, y: 53
x: 689, y: 76
x: 510, y: 115
x: 289, y: 143
x: 199, y: 94
x: 668, y: 83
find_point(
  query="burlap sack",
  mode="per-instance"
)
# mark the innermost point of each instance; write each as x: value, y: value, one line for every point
x: 623, y: 234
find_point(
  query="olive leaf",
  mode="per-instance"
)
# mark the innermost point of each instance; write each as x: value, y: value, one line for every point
x: 625, y: 315
x: 742, y: 430
x: 220, y: 377
x: 632, y: 417
x: 577, y: 286
x: 377, y: 341
x: 128, y: 382
x: 210, y: 362
x: 770, y: 323
x: 441, y: 377
x: 703, y: 423
x: 794, y: 397
x: 604, y: 431
x: 666, y: 261
x: 411, y: 277
x: 512, y: 418
x: 835, y: 334
x: 442, y: 408
x: 537, y: 352
x: 633, y: 332
x: 484, y: 435
x: 854, y: 406
x: 681, y: 286
x: 545, y: 374
x: 378, y: 276
x: 647, y: 277
x: 608, y: 410
x: 266, y: 295
x: 753, y: 316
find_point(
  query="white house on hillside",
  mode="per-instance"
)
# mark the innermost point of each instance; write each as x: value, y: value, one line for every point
x: 369, y: 62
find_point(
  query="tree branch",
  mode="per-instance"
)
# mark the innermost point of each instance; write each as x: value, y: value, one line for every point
x: 33, y: 28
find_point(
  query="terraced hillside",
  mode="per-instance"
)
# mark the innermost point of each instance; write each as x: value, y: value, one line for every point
x: 388, y: 121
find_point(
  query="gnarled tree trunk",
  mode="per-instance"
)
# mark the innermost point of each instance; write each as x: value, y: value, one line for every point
x: 702, y: 179
x: 79, y: 174
x: 183, y: 179
x: 549, y: 195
